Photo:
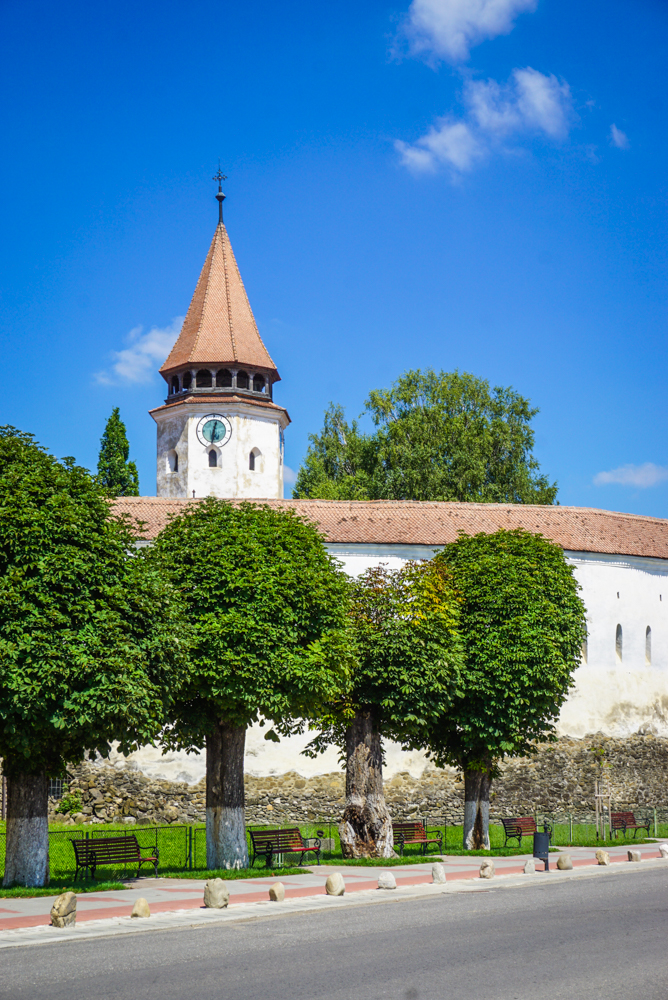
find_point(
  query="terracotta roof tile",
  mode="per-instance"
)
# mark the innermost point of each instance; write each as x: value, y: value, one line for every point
x: 580, y: 529
x: 219, y: 398
x: 219, y: 327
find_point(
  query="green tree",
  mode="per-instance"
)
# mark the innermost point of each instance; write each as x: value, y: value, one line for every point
x: 439, y: 436
x: 113, y: 468
x: 269, y: 611
x: 91, y: 639
x: 523, y: 624
x: 409, y: 659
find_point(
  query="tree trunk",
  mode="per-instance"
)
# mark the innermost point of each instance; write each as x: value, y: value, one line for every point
x: 225, y: 820
x: 27, y: 852
x: 366, y: 827
x: 476, y: 809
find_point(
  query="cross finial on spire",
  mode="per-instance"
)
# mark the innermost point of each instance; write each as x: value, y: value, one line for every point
x: 220, y: 197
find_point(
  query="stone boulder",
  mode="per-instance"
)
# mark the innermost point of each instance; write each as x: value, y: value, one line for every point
x: 64, y: 910
x: 141, y: 908
x: 634, y: 855
x: 438, y: 874
x: 335, y: 886
x: 277, y: 892
x: 663, y: 850
x: 216, y: 894
x: 564, y: 863
x: 530, y: 867
x: 602, y: 857
x: 386, y: 880
x: 487, y: 869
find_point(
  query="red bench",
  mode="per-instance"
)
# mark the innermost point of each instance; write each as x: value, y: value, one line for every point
x: 267, y: 843
x: 414, y: 832
x: 626, y: 821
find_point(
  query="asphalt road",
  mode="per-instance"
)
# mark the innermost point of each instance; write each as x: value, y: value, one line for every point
x: 591, y: 938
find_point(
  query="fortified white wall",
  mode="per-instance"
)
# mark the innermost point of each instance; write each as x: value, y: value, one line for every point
x: 612, y: 697
x: 254, y: 429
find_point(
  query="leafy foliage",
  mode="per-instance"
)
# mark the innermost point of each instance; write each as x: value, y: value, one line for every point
x: 269, y: 610
x: 523, y: 624
x: 113, y: 468
x: 409, y: 653
x: 440, y: 436
x: 91, y: 644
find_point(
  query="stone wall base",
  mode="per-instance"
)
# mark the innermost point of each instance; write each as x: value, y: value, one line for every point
x: 557, y: 781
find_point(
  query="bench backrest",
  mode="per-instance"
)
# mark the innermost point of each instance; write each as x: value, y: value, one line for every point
x: 622, y: 819
x: 411, y: 829
x: 278, y: 840
x: 520, y: 824
x: 107, y: 850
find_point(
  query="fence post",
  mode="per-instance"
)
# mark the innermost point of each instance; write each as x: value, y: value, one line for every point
x: 571, y: 824
x: 656, y: 834
x: 190, y: 848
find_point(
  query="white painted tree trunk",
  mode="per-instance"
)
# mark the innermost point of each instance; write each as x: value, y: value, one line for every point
x: 476, y: 809
x: 27, y: 854
x: 366, y: 826
x: 226, y: 845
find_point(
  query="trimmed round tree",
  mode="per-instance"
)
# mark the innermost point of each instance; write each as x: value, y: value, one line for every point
x: 409, y: 660
x: 90, y: 638
x: 269, y: 611
x: 523, y: 624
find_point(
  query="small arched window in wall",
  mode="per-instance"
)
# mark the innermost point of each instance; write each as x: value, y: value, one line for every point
x: 172, y: 461
x: 242, y: 380
x: 203, y: 380
x: 585, y: 651
x: 648, y: 645
x: 255, y: 460
x: 187, y: 380
x: 258, y: 383
x: 175, y: 383
x: 224, y: 379
x: 618, y: 644
x: 213, y: 459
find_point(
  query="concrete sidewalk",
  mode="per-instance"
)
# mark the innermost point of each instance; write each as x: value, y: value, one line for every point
x: 178, y: 902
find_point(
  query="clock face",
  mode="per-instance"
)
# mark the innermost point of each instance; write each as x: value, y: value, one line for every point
x: 214, y: 429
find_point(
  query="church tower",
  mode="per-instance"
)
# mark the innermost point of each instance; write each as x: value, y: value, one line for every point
x: 219, y: 432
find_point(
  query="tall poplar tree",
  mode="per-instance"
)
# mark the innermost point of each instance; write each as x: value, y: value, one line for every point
x: 114, y: 471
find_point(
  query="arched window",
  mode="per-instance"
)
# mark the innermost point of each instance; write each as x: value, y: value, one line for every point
x: 213, y: 459
x: 258, y: 383
x: 224, y: 379
x: 618, y: 644
x: 585, y: 651
x: 648, y: 645
x: 187, y: 380
x: 242, y: 380
x: 172, y: 461
x: 255, y: 460
x: 175, y: 383
x: 203, y: 380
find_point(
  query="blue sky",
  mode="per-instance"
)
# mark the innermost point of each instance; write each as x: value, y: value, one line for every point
x: 473, y: 184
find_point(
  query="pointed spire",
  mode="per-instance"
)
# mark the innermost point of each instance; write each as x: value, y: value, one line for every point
x: 219, y: 327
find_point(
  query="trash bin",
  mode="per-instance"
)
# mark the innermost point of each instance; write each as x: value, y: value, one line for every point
x: 541, y: 847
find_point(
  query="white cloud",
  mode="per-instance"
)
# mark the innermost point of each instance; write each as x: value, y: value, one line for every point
x: 529, y: 103
x: 289, y: 476
x: 618, y: 138
x: 144, y: 354
x: 641, y: 476
x: 449, y: 28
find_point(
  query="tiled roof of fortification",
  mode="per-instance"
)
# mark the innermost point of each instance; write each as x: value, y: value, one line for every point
x: 392, y: 522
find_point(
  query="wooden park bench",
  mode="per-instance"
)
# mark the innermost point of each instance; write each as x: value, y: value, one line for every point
x: 117, y: 851
x: 521, y: 826
x: 414, y: 832
x: 267, y: 843
x: 627, y: 821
